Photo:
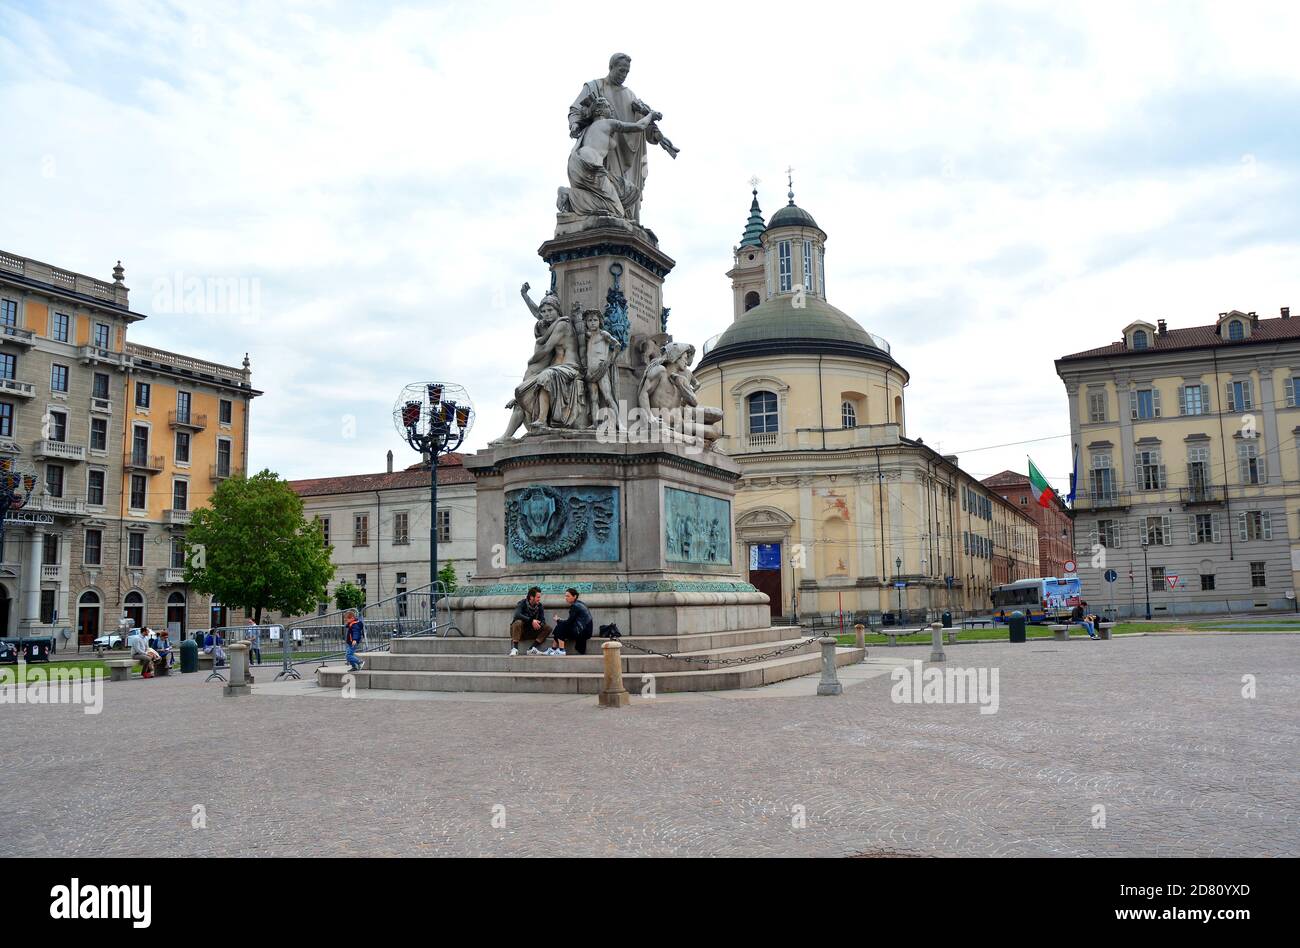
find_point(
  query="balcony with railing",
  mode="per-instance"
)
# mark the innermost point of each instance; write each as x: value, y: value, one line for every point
x: 171, y: 576
x: 52, y: 572
x: 48, y: 449
x: 1201, y: 495
x: 89, y: 355
x: 177, y: 518
x: 187, y: 419
x: 67, y: 506
x: 145, y: 463
x: 13, y: 335
x: 1104, y: 498
x: 15, y: 387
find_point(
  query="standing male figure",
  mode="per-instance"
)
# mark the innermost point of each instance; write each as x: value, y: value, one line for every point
x: 254, y: 643
x: 529, y: 618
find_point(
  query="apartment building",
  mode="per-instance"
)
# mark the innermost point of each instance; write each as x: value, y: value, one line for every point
x: 122, y: 441
x: 1190, y: 476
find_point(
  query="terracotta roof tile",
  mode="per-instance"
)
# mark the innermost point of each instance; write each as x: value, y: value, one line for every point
x: 451, y: 470
x: 1198, y: 337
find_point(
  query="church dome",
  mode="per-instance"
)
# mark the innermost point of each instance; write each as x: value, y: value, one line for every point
x: 778, y: 327
x: 791, y: 216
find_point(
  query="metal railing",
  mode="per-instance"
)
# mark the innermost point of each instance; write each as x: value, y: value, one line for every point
x: 322, y: 639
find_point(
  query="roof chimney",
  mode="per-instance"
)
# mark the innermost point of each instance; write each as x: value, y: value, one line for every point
x: 1286, y: 312
x: 1161, y: 323
x: 390, y: 462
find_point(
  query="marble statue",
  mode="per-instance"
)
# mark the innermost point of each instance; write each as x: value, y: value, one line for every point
x: 668, y: 390
x: 601, y: 350
x: 592, y: 190
x: 624, y: 159
x: 552, y: 393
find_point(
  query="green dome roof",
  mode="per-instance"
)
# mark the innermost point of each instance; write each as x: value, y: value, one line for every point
x: 777, y: 326
x: 792, y: 216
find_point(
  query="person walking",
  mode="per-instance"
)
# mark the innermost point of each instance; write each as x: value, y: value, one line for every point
x: 353, y: 637
x: 530, y: 618
x: 254, y: 634
x: 576, y: 628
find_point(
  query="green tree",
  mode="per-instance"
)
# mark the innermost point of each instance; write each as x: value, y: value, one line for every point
x: 252, y: 548
x: 349, y: 596
x: 447, y: 576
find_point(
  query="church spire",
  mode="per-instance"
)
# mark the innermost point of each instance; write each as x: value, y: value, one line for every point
x: 754, y: 227
x: 789, y: 177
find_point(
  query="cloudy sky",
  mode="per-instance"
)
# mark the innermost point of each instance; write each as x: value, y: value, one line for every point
x: 1001, y: 184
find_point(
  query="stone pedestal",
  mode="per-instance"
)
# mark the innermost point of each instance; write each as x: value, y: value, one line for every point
x: 645, y: 532
x: 830, y: 682
x: 238, y: 686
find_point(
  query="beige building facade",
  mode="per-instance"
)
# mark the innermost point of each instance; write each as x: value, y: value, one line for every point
x: 1189, y: 484
x: 123, y: 443
x: 837, y: 506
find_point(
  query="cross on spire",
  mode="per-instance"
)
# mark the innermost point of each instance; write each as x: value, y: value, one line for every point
x: 789, y: 174
x: 754, y: 182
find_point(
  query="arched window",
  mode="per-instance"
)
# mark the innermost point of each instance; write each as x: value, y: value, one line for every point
x: 1140, y: 339
x: 848, y: 415
x: 762, y: 413
x: 751, y: 300
x: 133, y: 606
x: 1236, y: 330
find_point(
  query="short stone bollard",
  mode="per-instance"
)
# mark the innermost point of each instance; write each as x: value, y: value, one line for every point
x: 936, y: 643
x: 238, y: 684
x: 860, y: 639
x: 612, y: 692
x: 830, y: 683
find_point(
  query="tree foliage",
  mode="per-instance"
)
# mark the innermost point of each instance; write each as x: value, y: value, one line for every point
x: 253, y: 548
x: 447, y: 576
x: 349, y: 596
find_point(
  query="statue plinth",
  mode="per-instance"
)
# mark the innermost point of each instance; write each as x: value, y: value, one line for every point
x: 607, y: 263
x: 644, y: 531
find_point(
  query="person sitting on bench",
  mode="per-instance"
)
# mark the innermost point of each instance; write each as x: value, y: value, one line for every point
x: 212, y: 645
x: 530, y: 618
x: 141, y: 652
x: 576, y: 629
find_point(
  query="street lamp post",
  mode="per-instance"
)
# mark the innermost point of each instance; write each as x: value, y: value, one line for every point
x: 433, y: 418
x: 898, y: 578
x: 1146, y: 578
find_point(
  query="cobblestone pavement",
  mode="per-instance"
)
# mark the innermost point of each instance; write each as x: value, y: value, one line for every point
x: 1156, y: 730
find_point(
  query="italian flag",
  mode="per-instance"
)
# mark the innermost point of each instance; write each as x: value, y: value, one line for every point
x: 1043, y: 492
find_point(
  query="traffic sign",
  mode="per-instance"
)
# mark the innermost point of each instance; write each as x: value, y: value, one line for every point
x: 1070, y: 566
x: 1172, y: 580
x: 900, y: 585
x: 1111, y: 576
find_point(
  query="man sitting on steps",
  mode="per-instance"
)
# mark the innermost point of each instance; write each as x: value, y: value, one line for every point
x: 530, y: 618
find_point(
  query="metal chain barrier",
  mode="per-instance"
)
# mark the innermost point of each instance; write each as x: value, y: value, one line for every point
x: 741, y: 660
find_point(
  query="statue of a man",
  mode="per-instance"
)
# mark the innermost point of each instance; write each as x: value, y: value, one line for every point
x: 627, y: 160
x: 592, y: 189
x: 668, y: 390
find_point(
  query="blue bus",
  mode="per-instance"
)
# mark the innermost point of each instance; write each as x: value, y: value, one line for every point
x: 1045, y: 599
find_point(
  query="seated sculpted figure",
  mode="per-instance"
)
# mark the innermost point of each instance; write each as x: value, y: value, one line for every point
x: 592, y: 191
x: 668, y: 393
x: 551, y: 394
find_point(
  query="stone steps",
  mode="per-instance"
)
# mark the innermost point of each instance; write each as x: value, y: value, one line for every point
x: 574, y: 681
x: 634, y: 663
x: 500, y: 645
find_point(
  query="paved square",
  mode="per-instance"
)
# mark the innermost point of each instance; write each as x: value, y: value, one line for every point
x: 1154, y: 728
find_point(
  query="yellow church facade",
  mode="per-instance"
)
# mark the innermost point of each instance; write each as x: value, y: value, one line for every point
x: 837, y: 507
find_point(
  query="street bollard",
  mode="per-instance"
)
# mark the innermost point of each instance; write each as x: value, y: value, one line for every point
x: 612, y: 692
x: 238, y: 685
x: 860, y: 640
x: 936, y: 642
x: 830, y: 683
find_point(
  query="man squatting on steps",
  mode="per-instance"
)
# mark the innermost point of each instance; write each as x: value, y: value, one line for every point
x: 529, y: 617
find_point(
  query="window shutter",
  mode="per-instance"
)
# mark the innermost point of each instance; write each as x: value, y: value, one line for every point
x: 1205, y: 399
x: 1182, y: 401
x: 1241, y: 527
x: 1266, y: 525
x: 1164, y: 531
x: 1247, y: 395
x: 1155, y: 401
x: 1163, y: 482
x: 1288, y: 391
x: 1133, y: 404
x: 1232, y: 406
x: 1191, y: 529
x: 1262, y: 468
x: 1214, y: 525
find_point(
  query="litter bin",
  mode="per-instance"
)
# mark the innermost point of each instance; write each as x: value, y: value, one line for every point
x: 37, y: 650
x: 1016, y: 623
x: 189, y: 656
x: 947, y: 620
